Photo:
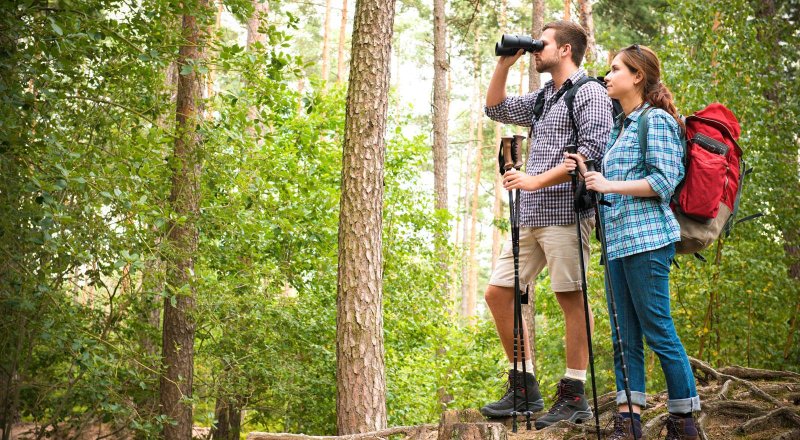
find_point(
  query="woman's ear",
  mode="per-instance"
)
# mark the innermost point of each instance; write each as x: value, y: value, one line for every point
x: 638, y: 78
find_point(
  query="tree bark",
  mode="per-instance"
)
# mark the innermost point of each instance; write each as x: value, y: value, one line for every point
x: 342, y: 37
x: 325, y: 40
x: 360, y: 376
x: 587, y: 21
x: 179, y: 326
x: 260, y: 11
x: 472, y: 289
x: 440, y: 122
x: 537, y: 23
x: 228, y: 415
x: 567, y: 10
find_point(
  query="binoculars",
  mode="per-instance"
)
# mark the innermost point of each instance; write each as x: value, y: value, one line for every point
x: 510, y: 154
x: 511, y: 44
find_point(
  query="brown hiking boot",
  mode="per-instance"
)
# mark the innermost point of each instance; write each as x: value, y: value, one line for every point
x: 622, y: 429
x: 679, y: 428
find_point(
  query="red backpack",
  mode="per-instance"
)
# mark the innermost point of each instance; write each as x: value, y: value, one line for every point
x: 707, y: 200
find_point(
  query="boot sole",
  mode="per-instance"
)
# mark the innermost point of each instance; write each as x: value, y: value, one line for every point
x: 576, y: 417
x: 533, y: 407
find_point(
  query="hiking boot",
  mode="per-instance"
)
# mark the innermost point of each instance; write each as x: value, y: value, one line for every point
x: 504, y: 406
x: 570, y: 405
x: 622, y: 429
x: 679, y: 428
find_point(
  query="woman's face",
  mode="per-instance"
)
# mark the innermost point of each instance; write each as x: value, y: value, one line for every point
x: 620, y: 81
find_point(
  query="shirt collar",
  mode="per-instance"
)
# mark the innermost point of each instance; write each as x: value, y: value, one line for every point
x: 580, y: 73
x: 631, y: 118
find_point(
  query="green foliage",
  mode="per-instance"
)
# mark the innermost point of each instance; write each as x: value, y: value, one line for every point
x: 86, y: 136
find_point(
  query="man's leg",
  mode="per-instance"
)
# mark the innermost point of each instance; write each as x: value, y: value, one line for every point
x: 560, y: 245
x: 501, y: 303
x: 500, y: 299
x: 575, y: 325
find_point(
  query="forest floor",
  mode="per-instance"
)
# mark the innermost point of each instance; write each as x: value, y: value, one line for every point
x: 737, y: 403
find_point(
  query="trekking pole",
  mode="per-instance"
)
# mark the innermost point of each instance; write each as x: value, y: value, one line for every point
x: 509, y: 156
x: 517, y: 143
x: 572, y: 149
x: 602, y: 232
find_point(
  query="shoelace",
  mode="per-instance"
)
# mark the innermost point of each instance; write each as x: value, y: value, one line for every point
x: 560, y: 399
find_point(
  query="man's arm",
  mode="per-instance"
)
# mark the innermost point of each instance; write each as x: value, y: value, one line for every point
x: 517, y: 110
x: 593, y: 118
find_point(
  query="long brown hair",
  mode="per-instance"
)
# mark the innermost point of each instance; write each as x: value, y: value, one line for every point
x: 654, y: 92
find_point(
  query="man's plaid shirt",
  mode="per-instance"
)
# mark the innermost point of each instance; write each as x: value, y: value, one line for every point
x: 549, y: 137
x: 639, y: 224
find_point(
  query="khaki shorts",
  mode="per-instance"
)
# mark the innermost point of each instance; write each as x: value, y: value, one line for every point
x: 553, y: 246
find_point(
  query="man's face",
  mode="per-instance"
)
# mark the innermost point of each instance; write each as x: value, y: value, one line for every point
x: 550, y: 56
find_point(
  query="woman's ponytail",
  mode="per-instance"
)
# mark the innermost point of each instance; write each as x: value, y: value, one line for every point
x: 659, y: 96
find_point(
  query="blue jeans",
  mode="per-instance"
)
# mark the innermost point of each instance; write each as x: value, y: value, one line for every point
x: 641, y: 291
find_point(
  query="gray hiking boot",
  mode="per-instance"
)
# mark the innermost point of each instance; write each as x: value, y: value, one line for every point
x: 504, y: 406
x: 570, y: 405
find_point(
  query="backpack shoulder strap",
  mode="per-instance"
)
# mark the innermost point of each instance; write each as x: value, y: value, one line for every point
x: 569, y: 100
x: 642, y: 128
x: 538, y: 106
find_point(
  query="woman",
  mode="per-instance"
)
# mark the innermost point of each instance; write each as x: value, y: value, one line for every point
x: 640, y: 234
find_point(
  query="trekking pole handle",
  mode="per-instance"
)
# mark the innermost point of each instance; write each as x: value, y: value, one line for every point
x: 589, y: 165
x: 572, y: 149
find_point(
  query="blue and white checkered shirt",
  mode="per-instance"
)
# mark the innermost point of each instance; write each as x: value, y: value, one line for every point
x: 638, y: 224
x: 549, y: 137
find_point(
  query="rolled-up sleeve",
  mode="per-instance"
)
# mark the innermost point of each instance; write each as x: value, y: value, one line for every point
x: 664, y: 156
x: 593, y: 116
x: 517, y: 110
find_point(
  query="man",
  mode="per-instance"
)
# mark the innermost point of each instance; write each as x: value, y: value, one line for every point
x: 547, y: 220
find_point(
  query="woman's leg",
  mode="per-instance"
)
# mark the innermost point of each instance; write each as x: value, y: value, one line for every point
x: 630, y: 334
x: 648, y: 277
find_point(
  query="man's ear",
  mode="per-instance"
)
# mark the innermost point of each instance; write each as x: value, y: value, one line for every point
x: 565, y: 50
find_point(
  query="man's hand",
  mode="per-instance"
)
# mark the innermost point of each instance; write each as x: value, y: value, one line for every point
x: 514, y: 179
x: 508, y: 61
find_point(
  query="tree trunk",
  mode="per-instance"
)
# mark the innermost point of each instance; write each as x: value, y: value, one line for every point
x: 497, y: 209
x: 567, y: 10
x: 325, y: 40
x: 179, y: 327
x: 537, y: 23
x: 470, y: 302
x: 440, y: 118
x: 260, y: 11
x: 587, y: 21
x: 228, y: 415
x: 342, y: 37
x: 360, y: 376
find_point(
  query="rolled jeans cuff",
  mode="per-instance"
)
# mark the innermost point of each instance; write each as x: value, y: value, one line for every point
x: 637, y: 398
x: 684, y: 406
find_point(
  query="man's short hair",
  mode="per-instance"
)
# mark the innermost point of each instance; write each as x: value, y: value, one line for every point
x: 569, y: 32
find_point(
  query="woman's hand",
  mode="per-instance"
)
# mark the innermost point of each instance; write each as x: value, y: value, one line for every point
x: 597, y: 182
x: 573, y: 161
x: 514, y: 179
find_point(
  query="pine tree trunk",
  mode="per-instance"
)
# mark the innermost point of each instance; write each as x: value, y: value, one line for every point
x: 497, y: 209
x: 260, y: 11
x: 537, y: 23
x: 179, y: 327
x: 587, y: 21
x: 360, y: 376
x: 567, y: 10
x: 342, y: 37
x: 325, y: 39
x: 470, y: 300
x: 440, y: 118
